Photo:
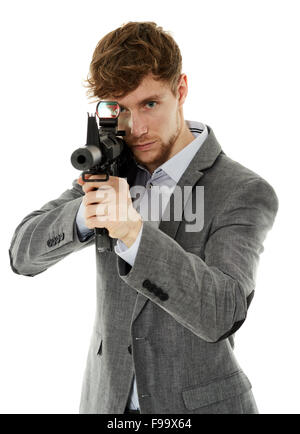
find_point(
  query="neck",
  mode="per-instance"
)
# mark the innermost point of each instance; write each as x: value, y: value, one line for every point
x: 184, y: 138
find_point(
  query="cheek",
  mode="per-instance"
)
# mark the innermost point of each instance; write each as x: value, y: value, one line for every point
x: 167, y: 125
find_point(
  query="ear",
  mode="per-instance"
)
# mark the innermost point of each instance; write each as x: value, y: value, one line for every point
x: 182, y: 89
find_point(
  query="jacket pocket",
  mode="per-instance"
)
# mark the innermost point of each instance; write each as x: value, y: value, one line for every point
x: 216, y: 391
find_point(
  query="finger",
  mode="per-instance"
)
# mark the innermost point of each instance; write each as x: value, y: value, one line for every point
x: 98, y: 196
x: 89, y: 186
x: 94, y: 222
x: 96, y: 186
x: 100, y: 209
x: 81, y: 181
x: 90, y: 211
x: 98, y: 222
x: 100, y: 176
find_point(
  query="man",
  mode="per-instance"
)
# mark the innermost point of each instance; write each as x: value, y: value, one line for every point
x: 171, y: 294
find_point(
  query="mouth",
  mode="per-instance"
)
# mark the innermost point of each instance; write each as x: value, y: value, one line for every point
x: 144, y: 147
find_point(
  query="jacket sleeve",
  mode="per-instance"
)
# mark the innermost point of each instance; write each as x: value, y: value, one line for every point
x: 46, y: 236
x: 210, y: 297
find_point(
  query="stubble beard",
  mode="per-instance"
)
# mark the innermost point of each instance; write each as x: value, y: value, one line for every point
x: 165, y: 149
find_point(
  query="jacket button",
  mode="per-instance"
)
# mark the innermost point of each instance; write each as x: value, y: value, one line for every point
x: 152, y: 288
x: 147, y: 284
x: 157, y: 291
x: 129, y: 349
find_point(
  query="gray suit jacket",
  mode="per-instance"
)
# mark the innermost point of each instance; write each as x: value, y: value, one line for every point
x: 171, y: 317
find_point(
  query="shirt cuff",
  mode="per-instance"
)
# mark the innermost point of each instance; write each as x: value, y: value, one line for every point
x: 82, y: 230
x: 128, y: 254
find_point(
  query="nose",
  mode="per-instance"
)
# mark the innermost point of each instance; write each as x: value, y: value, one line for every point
x: 137, y: 125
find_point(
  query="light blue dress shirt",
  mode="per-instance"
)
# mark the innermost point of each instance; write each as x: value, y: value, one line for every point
x: 165, y: 177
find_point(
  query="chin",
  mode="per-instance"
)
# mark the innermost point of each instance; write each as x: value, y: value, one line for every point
x: 144, y: 156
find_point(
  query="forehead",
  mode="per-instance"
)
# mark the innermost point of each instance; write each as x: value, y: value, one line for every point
x: 147, y: 89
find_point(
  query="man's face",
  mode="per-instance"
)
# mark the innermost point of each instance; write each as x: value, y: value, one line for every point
x: 151, y: 116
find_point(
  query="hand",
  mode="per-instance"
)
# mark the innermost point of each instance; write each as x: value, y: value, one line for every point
x: 108, y: 205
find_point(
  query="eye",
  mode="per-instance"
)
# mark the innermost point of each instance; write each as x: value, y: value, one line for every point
x: 151, y: 104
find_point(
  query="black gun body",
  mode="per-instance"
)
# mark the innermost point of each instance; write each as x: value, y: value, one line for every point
x: 102, y: 154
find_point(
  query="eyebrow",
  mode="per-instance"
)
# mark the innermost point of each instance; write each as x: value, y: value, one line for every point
x: 144, y: 101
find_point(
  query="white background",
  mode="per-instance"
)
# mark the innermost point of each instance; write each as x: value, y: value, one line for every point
x: 242, y: 62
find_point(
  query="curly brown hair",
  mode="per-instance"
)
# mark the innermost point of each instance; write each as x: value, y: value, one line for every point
x: 125, y: 56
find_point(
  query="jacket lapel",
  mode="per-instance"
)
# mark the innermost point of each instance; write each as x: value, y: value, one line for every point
x: 204, y: 158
